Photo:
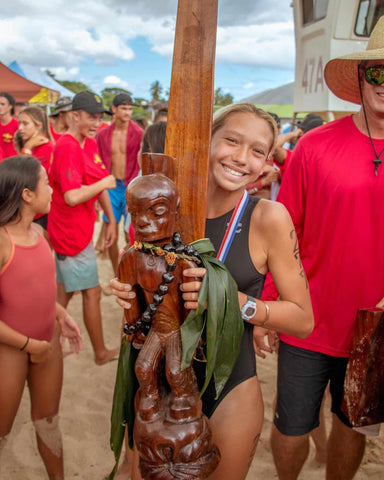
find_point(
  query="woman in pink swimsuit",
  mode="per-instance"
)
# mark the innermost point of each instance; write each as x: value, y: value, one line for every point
x: 31, y: 323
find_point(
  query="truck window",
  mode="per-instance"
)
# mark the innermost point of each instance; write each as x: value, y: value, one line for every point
x: 314, y: 10
x: 367, y: 16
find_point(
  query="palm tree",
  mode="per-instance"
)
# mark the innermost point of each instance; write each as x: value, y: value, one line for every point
x: 156, y: 90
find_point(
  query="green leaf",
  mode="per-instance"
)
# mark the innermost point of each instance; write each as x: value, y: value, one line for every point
x: 193, y: 326
x: 123, y: 413
x: 224, y: 325
x: 229, y: 340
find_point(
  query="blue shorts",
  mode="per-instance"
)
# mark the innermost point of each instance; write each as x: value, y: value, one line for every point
x: 78, y: 272
x: 302, y: 378
x: 117, y: 197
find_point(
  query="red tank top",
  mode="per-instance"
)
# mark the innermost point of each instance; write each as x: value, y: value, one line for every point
x: 28, y: 290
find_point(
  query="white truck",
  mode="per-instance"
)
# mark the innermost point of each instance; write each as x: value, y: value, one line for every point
x: 326, y: 29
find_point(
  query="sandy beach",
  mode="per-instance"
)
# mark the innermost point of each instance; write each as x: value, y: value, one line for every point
x: 86, y: 405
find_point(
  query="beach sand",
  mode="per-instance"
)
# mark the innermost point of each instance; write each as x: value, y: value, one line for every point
x: 85, y: 412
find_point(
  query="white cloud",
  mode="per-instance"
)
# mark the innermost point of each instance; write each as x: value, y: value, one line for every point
x: 62, y: 73
x: 248, y: 85
x: 114, y: 81
x: 102, y: 31
x: 268, y: 45
x: 63, y: 36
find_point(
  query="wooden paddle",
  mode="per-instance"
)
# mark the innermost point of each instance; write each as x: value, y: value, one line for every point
x: 189, y: 124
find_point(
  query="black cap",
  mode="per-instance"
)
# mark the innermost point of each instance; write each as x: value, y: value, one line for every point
x: 64, y: 104
x: 310, y: 121
x: 88, y: 101
x: 122, y: 99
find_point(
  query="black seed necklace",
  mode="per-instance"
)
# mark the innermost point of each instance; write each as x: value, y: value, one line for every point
x: 171, y: 252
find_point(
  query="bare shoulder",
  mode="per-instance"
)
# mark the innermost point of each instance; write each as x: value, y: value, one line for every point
x: 39, y: 229
x: 271, y: 217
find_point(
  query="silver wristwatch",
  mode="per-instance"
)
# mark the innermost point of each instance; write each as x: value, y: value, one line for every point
x: 249, y: 309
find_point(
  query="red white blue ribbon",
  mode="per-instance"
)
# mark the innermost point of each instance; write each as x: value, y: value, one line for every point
x: 232, y: 227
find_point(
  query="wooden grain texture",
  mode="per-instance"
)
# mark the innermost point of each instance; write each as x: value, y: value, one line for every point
x: 363, y: 400
x: 190, y: 110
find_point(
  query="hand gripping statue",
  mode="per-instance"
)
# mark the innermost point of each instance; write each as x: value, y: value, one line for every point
x: 170, y: 432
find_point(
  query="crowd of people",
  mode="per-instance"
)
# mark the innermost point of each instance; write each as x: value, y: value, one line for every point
x: 293, y: 295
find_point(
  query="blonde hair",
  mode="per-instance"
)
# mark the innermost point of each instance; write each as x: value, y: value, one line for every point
x: 38, y: 116
x: 221, y: 116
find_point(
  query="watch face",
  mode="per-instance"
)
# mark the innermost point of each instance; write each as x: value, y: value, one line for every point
x: 249, y: 309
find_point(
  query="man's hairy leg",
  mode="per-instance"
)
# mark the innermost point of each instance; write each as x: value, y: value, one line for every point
x: 289, y: 453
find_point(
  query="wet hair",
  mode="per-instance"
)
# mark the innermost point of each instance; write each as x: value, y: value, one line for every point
x: 10, y: 99
x: 16, y: 174
x: 154, y: 138
x: 221, y: 116
x: 37, y: 115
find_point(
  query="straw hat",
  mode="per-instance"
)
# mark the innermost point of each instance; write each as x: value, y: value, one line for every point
x: 341, y: 74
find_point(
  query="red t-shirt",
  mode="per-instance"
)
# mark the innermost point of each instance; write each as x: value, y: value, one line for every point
x: 283, y: 167
x: 70, y: 229
x: 6, y: 137
x: 44, y: 154
x: 337, y: 206
x: 55, y: 135
x: 103, y: 124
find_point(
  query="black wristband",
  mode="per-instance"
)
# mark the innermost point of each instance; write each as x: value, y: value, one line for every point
x: 25, y: 344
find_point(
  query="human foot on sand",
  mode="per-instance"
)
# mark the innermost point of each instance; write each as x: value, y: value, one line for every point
x: 107, y: 356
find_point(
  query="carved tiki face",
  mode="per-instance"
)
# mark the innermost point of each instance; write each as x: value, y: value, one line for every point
x: 153, y: 203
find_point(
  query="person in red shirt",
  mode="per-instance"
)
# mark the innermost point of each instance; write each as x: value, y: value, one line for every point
x: 35, y: 134
x: 60, y: 118
x: 119, y: 144
x: 36, y: 141
x: 8, y: 124
x: 78, y: 177
x: 333, y: 188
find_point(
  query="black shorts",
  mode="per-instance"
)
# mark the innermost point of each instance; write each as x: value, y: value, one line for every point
x: 302, y: 378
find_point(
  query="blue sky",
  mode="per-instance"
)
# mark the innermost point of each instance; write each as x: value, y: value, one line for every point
x: 129, y: 43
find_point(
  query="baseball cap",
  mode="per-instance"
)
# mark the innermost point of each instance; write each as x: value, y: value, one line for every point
x: 310, y: 121
x: 122, y: 99
x: 64, y: 104
x: 88, y: 101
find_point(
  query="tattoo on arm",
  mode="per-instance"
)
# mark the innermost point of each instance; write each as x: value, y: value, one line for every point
x: 296, y: 254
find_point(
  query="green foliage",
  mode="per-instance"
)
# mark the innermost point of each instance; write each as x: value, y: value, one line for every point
x: 143, y: 102
x: 75, y: 87
x: 221, y: 319
x: 123, y: 410
x: 140, y: 112
x: 108, y: 94
x: 221, y: 98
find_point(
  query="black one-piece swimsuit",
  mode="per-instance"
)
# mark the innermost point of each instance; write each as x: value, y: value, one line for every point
x: 249, y: 281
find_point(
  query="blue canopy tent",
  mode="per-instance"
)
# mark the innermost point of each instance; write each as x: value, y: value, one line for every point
x: 36, y: 75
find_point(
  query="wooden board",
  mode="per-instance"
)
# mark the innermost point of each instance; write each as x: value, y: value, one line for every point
x: 190, y: 110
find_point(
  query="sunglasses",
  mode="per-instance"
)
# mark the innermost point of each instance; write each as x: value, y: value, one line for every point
x: 374, y: 75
